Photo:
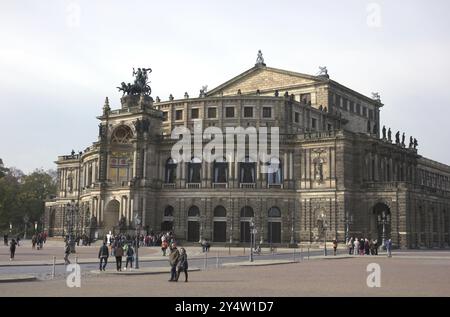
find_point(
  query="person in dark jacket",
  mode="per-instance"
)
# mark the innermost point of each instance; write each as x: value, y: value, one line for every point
x: 66, y: 253
x: 119, y: 254
x: 130, y: 255
x: 103, y: 255
x: 12, y: 249
x: 182, y: 265
x: 174, y: 257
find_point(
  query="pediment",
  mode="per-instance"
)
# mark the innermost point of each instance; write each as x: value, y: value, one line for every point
x: 264, y: 79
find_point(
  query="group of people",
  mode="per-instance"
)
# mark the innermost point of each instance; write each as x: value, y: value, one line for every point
x: 39, y: 240
x: 177, y: 258
x: 178, y: 263
x: 167, y: 239
x: 364, y: 246
x: 118, y: 250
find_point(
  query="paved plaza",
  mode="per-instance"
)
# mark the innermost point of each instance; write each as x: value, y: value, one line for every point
x: 407, y: 273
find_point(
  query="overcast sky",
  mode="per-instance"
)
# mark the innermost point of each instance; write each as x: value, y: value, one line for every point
x: 60, y: 59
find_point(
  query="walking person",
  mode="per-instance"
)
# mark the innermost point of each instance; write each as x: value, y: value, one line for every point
x: 361, y: 246
x: 164, y: 246
x: 389, y: 247
x: 12, y: 249
x: 182, y: 265
x: 356, y: 248
x: 350, y: 246
x: 174, y: 257
x: 335, y: 244
x: 366, y: 247
x: 66, y: 253
x: 130, y: 255
x: 119, y: 254
x: 103, y: 255
x: 375, y: 246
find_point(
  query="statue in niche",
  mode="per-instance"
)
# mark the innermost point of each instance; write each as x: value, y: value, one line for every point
x: 318, y: 170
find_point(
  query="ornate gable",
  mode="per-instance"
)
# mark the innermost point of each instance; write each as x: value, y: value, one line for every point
x: 264, y: 79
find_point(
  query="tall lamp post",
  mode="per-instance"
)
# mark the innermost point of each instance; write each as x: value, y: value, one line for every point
x: 10, y: 228
x: 384, y: 219
x: 348, y: 221
x: 72, y: 208
x: 137, y: 222
x: 325, y: 227
x: 25, y: 220
x: 252, y: 237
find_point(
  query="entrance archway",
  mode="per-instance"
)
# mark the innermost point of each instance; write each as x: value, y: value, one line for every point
x: 380, y: 223
x: 246, y: 216
x: 193, y: 225
x: 111, y: 215
x: 220, y: 224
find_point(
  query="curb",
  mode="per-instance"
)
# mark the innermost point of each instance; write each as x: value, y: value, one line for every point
x: 261, y: 263
x: 17, y: 278
x: 158, y: 270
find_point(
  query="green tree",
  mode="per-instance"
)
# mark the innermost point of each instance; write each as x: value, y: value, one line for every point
x: 9, y: 203
x: 24, y: 195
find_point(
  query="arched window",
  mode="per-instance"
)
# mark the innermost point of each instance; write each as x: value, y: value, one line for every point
x: 171, y: 171
x: 193, y: 234
x: 220, y: 169
x: 220, y: 211
x: 122, y: 134
x: 167, y: 223
x: 274, y: 171
x: 193, y: 211
x: 274, y: 225
x: 247, y: 171
x: 274, y: 212
x: 194, y: 170
x: 70, y: 183
x: 246, y: 215
x: 168, y: 212
x: 247, y: 212
x: 220, y: 224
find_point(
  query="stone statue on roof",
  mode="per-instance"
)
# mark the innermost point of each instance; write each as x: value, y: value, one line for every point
x: 260, y: 59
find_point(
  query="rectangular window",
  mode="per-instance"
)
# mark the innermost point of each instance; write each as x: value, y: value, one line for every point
x: 338, y: 101
x: 267, y: 112
x: 358, y: 109
x: 165, y: 116
x: 194, y: 113
x: 297, y: 117
x: 364, y: 111
x: 313, y: 123
x: 352, y: 106
x: 345, y: 104
x: 248, y: 112
x: 212, y: 113
x: 370, y: 114
x: 179, y: 115
x: 305, y: 98
x: 330, y: 127
x: 229, y: 112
